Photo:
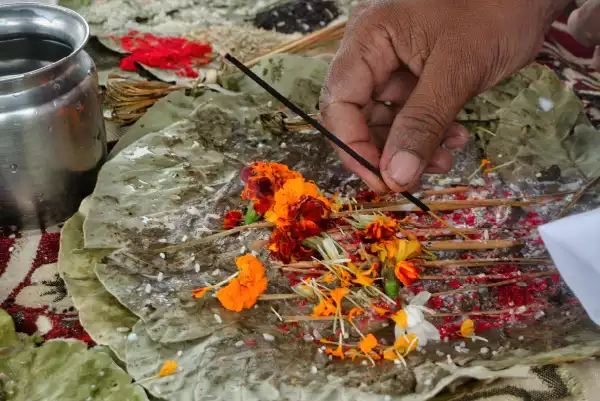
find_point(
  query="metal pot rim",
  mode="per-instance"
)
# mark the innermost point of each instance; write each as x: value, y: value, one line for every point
x: 76, y: 49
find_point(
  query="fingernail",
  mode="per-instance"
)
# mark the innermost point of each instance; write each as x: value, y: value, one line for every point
x: 404, y: 167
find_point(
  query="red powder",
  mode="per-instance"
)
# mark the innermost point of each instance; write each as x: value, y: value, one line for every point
x: 167, y: 53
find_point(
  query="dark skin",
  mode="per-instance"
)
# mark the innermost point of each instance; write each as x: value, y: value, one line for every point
x: 428, y: 58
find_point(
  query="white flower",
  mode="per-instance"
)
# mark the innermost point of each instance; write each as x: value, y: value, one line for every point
x: 415, y: 320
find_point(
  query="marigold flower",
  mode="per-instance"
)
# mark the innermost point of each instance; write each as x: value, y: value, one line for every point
x: 467, y: 328
x: 356, y: 311
x: 232, y: 219
x: 402, y: 346
x: 337, y: 295
x: 200, y: 292
x: 298, y: 200
x: 263, y: 180
x: 324, y: 308
x: 243, y: 291
x: 401, y: 318
x: 168, y: 368
x: 329, y: 278
x: 382, y: 228
x: 380, y: 311
x: 285, y: 243
x: 406, y: 273
x: 396, y: 248
x: 339, y: 352
x: 367, y: 344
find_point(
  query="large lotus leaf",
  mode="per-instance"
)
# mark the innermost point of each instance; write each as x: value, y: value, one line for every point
x: 536, y: 138
x: 8, y: 334
x: 234, y: 363
x: 64, y: 370
x: 296, y: 77
x: 101, y: 315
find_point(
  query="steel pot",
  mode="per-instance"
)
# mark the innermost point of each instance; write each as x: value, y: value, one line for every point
x: 52, y: 135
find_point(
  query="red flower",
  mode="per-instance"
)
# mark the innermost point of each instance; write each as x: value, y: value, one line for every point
x: 309, y: 208
x: 232, y: 219
x: 285, y: 243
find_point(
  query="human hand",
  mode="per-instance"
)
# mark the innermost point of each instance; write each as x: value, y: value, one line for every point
x: 583, y: 25
x: 428, y: 58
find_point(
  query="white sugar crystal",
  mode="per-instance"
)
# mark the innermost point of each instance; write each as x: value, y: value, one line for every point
x: 131, y: 337
x: 539, y: 314
x: 162, y: 255
x: 268, y: 337
x: 180, y: 353
x: 122, y: 329
x: 313, y: 370
x: 212, y: 216
x: 239, y: 344
x: 462, y: 344
x: 242, y: 250
x: 148, y: 289
x: 218, y: 318
x: 446, y: 340
x: 160, y: 277
x: 197, y: 267
x: 545, y: 104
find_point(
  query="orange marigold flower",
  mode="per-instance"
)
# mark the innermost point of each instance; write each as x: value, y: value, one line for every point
x: 406, y: 272
x: 467, y: 328
x: 382, y: 228
x: 485, y: 163
x: 200, y: 292
x: 337, y: 295
x: 232, y: 219
x: 263, y: 180
x: 356, y: 311
x: 368, y: 343
x: 339, y: 352
x: 243, y: 291
x: 401, y: 318
x: 380, y: 311
x: 324, y: 308
x: 285, y: 243
x: 168, y: 368
x: 329, y: 278
x: 397, y: 249
x: 298, y: 199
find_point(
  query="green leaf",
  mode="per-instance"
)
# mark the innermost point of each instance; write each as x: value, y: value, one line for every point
x: 65, y: 371
x: 391, y: 285
x: 251, y: 215
x: 100, y: 314
x: 8, y: 334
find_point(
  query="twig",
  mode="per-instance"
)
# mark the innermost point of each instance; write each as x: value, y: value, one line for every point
x: 444, y: 205
x: 212, y: 237
x: 303, y: 318
x: 470, y: 276
x: 490, y: 312
x: 577, y: 196
x: 469, y: 245
x: 278, y: 297
x: 483, y: 262
x: 498, y: 284
x: 294, y: 46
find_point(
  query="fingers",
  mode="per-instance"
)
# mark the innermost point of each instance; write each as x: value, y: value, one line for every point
x: 364, y: 62
x: 583, y: 23
x: 418, y: 130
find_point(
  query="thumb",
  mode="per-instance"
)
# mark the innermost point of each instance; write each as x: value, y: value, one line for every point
x: 583, y: 23
x: 418, y: 130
